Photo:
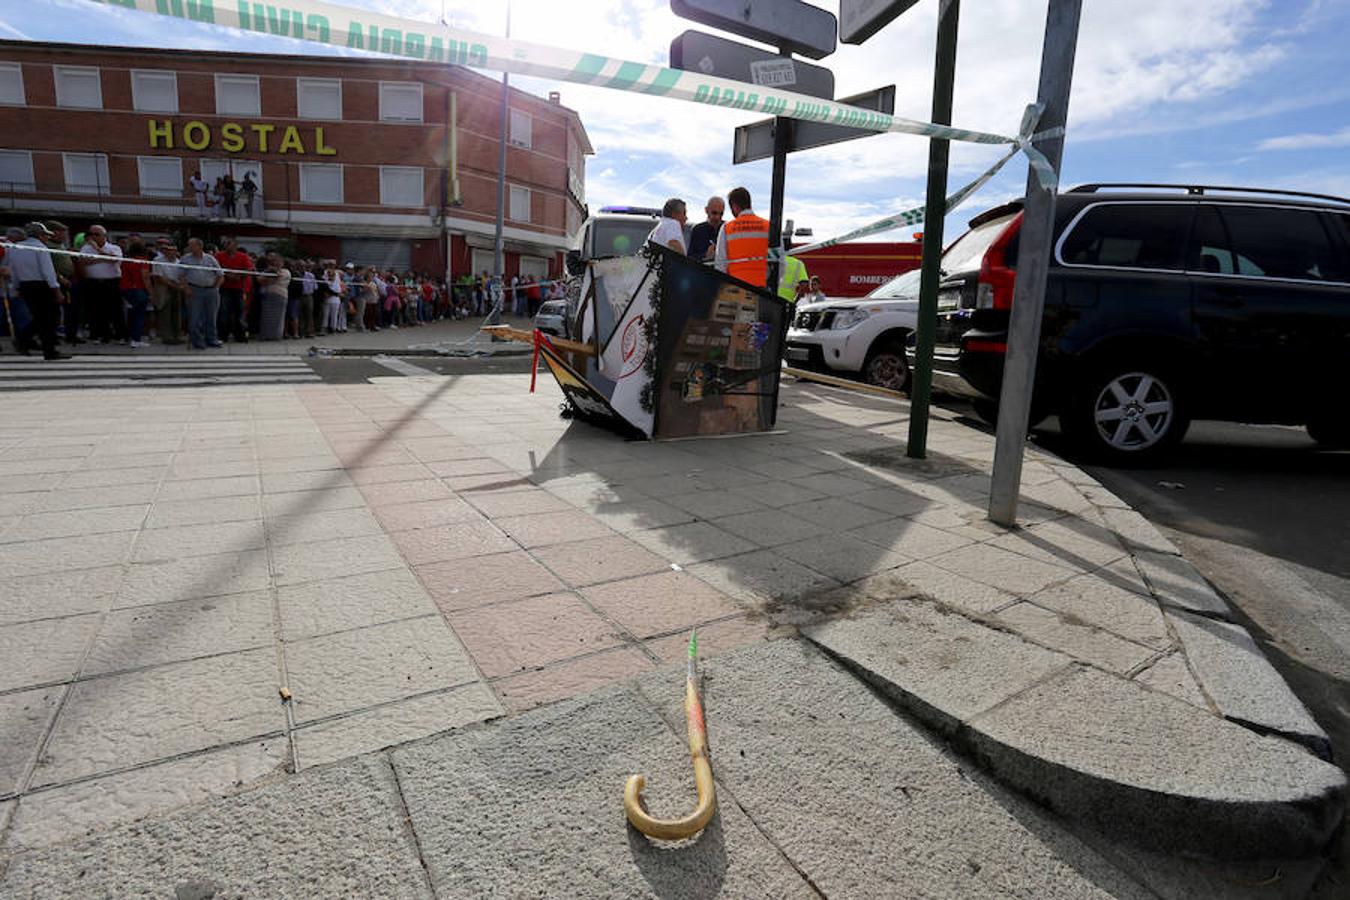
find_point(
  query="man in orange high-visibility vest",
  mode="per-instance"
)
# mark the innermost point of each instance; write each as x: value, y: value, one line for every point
x: 743, y: 243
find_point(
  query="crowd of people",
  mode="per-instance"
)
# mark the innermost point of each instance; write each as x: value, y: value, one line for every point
x: 138, y: 290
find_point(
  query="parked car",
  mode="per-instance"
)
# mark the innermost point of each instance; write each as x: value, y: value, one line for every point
x: 552, y: 318
x: 864, y: 337
x: 1163, y: 304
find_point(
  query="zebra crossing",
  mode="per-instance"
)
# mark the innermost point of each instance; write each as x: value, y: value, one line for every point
x: 124, y: 371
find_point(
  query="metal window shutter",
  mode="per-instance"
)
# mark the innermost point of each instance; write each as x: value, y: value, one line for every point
x: 384, y: 253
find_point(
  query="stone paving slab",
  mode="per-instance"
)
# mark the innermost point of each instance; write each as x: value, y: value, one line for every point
x: 861, y: 800
x: 122, y: 720
x: 342, y: 672
x: 1241, y: 682
x: 1096, y: 747
x: 60, y: 814
x: 24, y: 719
x: 533, y: 806
x: 334, y: 833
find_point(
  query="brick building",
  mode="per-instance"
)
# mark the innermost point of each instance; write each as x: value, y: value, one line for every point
x: 383, y: 161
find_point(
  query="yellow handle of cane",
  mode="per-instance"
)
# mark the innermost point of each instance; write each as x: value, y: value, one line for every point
x: 694, y: 822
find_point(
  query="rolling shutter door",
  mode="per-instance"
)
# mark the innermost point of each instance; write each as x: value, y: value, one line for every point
x: 386, y: 254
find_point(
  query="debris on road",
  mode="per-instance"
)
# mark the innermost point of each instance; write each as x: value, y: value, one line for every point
x: 1172, y: 485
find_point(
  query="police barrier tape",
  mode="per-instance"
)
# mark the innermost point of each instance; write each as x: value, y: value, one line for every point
x: 915, y: 216
x: 108, y: 257
x: 358, y: 29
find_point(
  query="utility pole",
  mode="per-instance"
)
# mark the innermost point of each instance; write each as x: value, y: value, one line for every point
x: 499, y: 257
x: 935, y: 212
x: 1033, y: 261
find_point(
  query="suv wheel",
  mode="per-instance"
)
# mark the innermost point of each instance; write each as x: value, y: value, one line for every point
x: 1127, y: 414
x: 885, y: 366
x: 1330, y: 433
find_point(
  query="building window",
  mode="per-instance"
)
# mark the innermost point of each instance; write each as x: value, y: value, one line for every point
x: 400, y: 101
x: 11, y: 85
x: 154, y: 91
x: 320, y: 183
x: 86, y: 173
x: 520, y: 128
x: 401, y: 185
x: 78, y: 86
x: 161, y: 176
x: 16, y: 171
x: 318, y: 98
x: 237, y: 95
x: 520, y: 204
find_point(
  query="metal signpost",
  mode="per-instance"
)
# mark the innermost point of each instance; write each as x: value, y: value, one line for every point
x: 695, y: 51
x: 792, y: 25
x: 860, y: 19
x: 935, y: 213
x: 1033, y: 261
x: 755, y: 141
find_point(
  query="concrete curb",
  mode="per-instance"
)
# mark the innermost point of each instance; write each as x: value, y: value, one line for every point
x: 1235, y: 676
x: 1125, y: 760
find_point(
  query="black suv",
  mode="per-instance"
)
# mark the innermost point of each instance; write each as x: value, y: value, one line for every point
x: 1164, y: 303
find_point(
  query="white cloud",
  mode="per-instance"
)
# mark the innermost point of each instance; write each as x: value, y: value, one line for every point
x: 1307, y: 141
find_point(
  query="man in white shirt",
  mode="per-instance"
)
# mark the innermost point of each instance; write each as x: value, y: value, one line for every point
x: 33, y: 277
x: 199, y: 188
x: 669, y: 232
x: 103, y: 286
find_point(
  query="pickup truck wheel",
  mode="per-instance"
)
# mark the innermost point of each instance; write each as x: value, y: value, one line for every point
x: 885, y: 366
x: 1127, y: 413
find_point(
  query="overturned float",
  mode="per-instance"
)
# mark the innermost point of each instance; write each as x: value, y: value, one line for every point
x: 669, y: 348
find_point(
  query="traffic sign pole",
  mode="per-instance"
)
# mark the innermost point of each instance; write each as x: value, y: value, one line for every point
x: 1033, y: 263
x: 782, y: 139
x: 921, y: 378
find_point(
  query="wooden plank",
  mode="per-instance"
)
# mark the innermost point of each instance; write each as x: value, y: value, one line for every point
x: 845, y: 383
x: 527, y: 337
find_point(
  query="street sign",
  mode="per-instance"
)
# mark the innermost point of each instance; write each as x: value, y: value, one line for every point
x: 860, y: 19
x: 755, y: 141
x: 695, y: 51
x: 791, y: 25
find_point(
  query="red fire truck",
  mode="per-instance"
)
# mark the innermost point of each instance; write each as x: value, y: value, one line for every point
x: 851, y: 270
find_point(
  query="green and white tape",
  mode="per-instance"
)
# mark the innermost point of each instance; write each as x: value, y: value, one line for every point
x: 356, y: 29
x: 915, y: 216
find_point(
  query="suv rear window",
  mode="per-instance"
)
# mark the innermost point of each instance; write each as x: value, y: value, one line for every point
x: 1130, y: 236
x: 1283, y: 243
x: 968, y: 251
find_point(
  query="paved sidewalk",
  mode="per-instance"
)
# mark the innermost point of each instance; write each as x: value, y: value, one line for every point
x: 454, y: 337
x: 207, y: 589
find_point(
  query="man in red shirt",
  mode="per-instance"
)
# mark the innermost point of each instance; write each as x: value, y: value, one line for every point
x: 231, y: 320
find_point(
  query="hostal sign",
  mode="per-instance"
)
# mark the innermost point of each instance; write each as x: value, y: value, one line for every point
x: 237, y: 137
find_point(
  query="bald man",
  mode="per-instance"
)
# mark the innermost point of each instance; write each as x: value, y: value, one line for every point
x: 703, y: 239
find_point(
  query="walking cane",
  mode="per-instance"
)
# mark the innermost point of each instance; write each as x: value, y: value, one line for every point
x: 692, y: 824
x: 9, y: 317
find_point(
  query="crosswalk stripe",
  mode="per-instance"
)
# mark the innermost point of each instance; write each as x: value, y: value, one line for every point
x: 70, y: 383
x: 95, y: 371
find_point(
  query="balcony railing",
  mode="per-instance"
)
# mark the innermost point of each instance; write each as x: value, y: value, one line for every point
x: 53, y: 199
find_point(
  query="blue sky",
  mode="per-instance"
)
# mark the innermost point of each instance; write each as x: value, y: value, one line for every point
x: 1245, y: 92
